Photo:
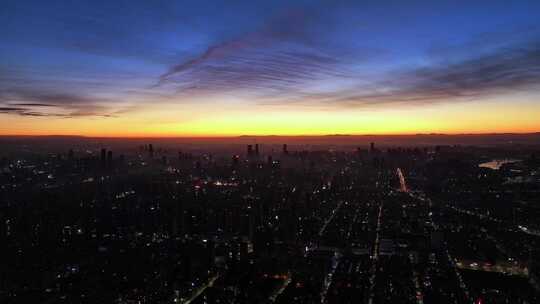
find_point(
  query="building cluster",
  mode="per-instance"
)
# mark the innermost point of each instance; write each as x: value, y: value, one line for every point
x: 274, y: 224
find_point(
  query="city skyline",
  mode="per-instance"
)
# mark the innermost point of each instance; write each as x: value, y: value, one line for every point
x: 212, y: 69
x: 270, y: 152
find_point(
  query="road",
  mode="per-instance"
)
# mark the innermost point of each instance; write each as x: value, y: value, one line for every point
x: 375, y: 257
x: 402, y: 183
x: 200, y: 290
x: 330, y: 218
x: 282, y: 288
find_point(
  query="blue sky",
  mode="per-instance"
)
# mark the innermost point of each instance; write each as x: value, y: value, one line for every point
x: 104, y: 58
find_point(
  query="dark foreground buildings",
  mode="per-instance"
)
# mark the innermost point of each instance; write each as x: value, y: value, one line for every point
x: 298, y: 225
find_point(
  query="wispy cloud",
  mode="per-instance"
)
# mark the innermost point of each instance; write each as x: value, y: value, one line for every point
x: 280, y: 68
x: 280, y: 58
x: 33, y: 103
x: 502, y: 70
x: 26, y: 111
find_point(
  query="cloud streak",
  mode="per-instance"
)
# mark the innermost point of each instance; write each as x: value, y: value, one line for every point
x: 282, y: 69
x: 280, y: 58
x: 45, y: 104
x: 500, y: 71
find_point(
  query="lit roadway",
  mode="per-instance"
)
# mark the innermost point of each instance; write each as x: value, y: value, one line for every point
x: 422, y: 197
x: 481, y: 216
x: 200, y: 290
x: 335, y: 259
x: 375, y: 256
x: 282, y: 288
x: 461, y: 282
x: 508, y: 269
x: 402, y: 183
x: 334, y: 212
x: 330, y: 276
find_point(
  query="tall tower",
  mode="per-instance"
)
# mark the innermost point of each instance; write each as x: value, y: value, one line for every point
x: 103, y: 157
x: 257, y: 149
x: 235, y: 160
x: 109, y: 159
x: 151, y: 150
x: 285, y: 151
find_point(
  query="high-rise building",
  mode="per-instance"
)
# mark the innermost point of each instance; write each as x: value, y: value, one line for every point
x: 109, y: 159
x: 436, y: 240
x: 103, y: 157
x: 235, y: 160
x: 257, y: 149
x: 285, y: 151
x: 249, y: 150
x: 372, y: 147
x: 151, y: 150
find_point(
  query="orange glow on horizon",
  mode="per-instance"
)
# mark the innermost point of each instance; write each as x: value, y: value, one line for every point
x: 171, y: 121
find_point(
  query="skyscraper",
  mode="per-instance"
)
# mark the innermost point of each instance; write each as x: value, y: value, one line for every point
x: 103, y: 157
x: 109, y: 159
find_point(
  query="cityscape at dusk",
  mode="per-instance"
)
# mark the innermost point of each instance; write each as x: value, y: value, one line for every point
x: 270, y: 152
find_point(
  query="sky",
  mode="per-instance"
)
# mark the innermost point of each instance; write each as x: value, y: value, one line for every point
x: 228, y: 68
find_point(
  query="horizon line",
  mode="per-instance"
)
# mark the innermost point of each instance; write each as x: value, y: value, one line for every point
x: 271, y: 135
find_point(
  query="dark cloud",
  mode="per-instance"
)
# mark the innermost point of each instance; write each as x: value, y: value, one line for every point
x: 33, y: 103
x: 43, y: 98
x: 507, y: 69
x: 23, y: 111
x: 276, y: 66
x: 279, y: 58
x: 10, y: 109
